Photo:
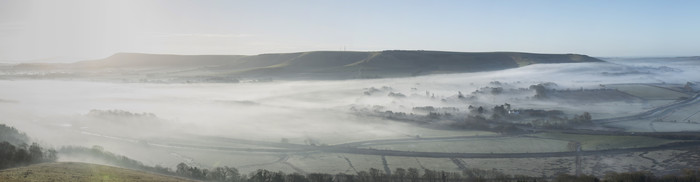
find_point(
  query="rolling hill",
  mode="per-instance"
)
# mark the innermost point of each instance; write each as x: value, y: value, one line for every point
x: 304, y: 65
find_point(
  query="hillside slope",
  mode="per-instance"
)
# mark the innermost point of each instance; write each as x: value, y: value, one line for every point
x: 349, y: 65
x: 73, y: 171
x: 308, y: 65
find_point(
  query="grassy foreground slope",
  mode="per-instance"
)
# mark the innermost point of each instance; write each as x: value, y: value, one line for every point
x: 73, y: 171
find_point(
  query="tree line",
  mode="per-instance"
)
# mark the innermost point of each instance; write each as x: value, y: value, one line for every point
x: 15, y: 152
x: 229, y: 174
x: 226, y: 174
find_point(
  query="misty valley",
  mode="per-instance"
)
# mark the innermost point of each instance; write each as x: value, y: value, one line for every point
x: 364, y: 112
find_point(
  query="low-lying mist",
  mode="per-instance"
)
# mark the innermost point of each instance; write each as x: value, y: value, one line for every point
x: 103, y: 113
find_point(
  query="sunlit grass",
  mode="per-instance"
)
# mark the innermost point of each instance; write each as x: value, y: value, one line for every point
x: 71, y: 171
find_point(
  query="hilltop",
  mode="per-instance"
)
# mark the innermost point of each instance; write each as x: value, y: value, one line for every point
x: 303, y: 65
x: 74, y: 171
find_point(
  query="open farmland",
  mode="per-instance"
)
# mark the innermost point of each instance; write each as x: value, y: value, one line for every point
x: 649, y: 125
x: 604, y: 142
x: 690, y: 114
x: 653, y: 120
x: 243, y: 161
x: 360, y: 162
x: 331, y: 163
x: 526, y: 166
x: 408, y: 132
x: 649, y: 92
x: 481, y: 145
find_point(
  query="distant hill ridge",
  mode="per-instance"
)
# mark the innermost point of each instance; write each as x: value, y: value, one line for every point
x: 324, y: 64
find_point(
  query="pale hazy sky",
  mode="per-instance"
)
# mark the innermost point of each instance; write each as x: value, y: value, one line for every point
x: 84, y: 29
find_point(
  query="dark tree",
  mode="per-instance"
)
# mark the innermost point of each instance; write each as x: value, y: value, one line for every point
x: 182, y: 169
x: 540, y: 91
x: 430, y: 175
x: 35, y: 153
x: 320, y: 177
x: 497, y: 90
x: 363, y: 176
x: 413, y: 174
x: 12, y: 135
x: 376, y: 174
x: 7, y: 155
x: 217, y: 174
x: 587, y: 116
x: 296, y: 177
x: 399, y: 174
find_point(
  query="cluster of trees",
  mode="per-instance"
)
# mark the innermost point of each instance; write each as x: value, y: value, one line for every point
x: 14, y: 156
x: 372, y: 90
x: 476, y: 119
x: 223, y: 174
x: 476, y: 110
x: 489, y: 90
x: 428, y: 109
x: 541, y: 89
x: 582, y: 119
x: 501, y: 114
x: 500, y: 111
x: 15, y: 152
x: 396, y: 95
x: 541, y: 113
x: 119, y: 113
x: 398, y: 175
x: 12, y: 135
x: 477, y: 175
x: 219, y: 79
x: 498, y: 122
x: 437, y: 115
x: 497, y: 119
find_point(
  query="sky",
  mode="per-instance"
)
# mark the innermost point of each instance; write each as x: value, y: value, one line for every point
x: 72, y: 30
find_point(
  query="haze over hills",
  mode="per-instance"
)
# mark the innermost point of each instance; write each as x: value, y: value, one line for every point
x: 538, y: 120
x: 324, y: 65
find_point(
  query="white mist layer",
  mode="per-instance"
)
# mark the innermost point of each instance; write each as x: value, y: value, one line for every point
x: 55, y: 112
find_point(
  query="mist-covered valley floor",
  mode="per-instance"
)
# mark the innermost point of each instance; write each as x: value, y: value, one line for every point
x: 541, y: 119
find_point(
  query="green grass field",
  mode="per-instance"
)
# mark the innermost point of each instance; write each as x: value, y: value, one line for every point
x: 73, y: 171
x: 482, y: 145
x: 602, y: 142
x: 648, y: 92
